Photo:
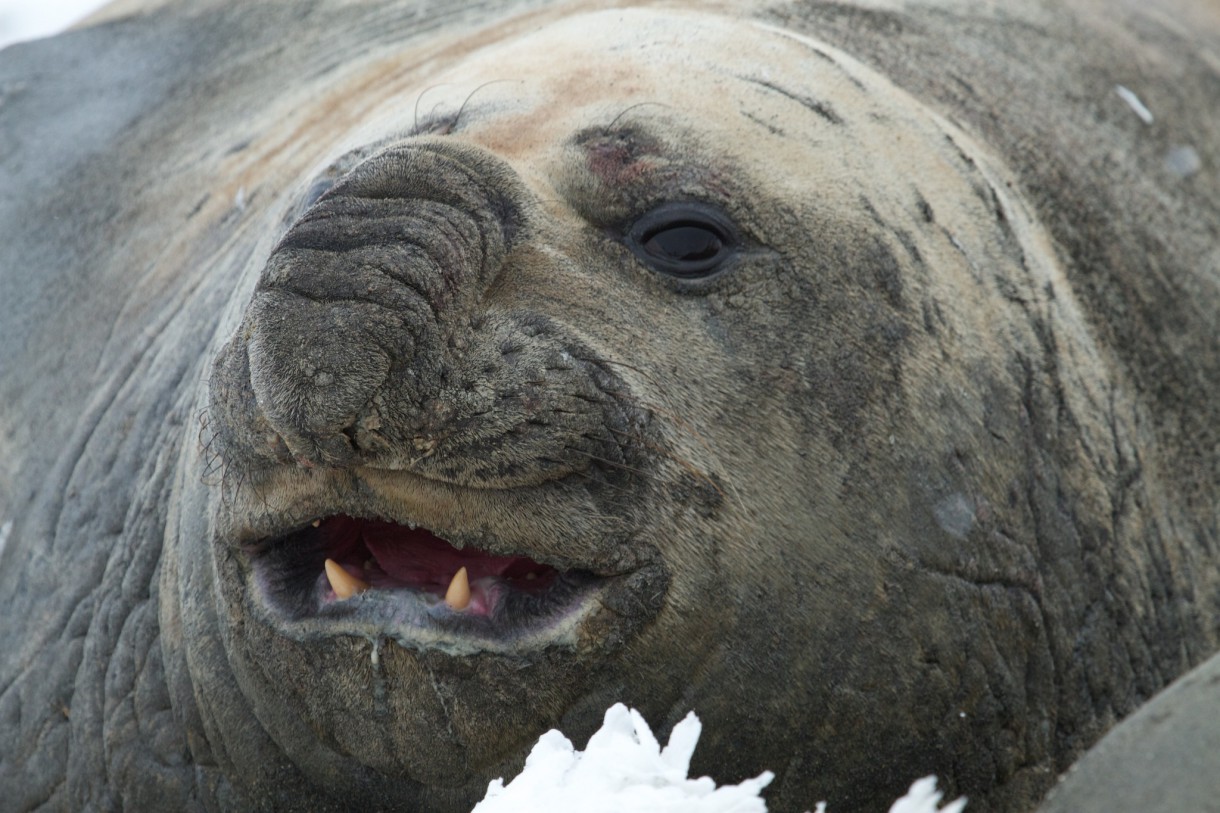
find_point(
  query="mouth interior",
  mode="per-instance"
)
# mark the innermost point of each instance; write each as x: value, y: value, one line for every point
x: 389, y: 556
x: 405, y: 565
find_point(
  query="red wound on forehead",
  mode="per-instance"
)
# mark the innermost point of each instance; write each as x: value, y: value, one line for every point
x: 620, y: 159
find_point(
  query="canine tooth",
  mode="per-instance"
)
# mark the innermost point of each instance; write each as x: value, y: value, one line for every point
x: 343, y: 583
x: 458, y: 594
x: 316, y: 523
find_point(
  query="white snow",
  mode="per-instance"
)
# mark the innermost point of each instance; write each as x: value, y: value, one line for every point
x: 30, y: 19
x: 923, y: 797
x: 5, y: 530
x: 1133, y: 101
x: 623, y: 769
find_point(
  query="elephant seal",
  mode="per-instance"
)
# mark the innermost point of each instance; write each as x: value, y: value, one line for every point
x: 386, y: 385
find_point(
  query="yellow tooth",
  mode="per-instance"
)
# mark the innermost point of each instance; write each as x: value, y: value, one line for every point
x: 343, y: 583
x: 316, y: 523
x: 458, y: 594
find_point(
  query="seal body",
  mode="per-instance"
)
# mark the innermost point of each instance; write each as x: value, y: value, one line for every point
x: 845, y: 373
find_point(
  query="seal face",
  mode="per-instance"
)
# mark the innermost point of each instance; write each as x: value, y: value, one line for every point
x: 385, y: 284
x: 523, y: 355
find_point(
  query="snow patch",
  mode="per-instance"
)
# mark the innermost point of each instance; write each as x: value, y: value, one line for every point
x: 623, y: 769
x: 30, y: 19
x: 923, y: 797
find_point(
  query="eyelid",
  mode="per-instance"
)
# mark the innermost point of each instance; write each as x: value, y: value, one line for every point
x: 676, y: 215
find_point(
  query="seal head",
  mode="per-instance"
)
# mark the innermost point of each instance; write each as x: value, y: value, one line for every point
x: 685, y: 371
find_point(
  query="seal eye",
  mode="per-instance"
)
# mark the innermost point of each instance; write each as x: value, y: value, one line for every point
x: 686, y: 240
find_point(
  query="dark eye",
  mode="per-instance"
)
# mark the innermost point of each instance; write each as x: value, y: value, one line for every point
x: 686, y: 240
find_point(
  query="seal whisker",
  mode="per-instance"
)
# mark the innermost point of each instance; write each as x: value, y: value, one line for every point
x: 625, y: 111
x: 585, y: 475
x: 677, y: 419
x: 213, y: 454
x: 457, y: 116
x: 415, y: 118
x: 686, y: 464
x: 612, y: 463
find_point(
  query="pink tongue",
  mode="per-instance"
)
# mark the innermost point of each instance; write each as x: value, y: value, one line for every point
x: 420, y: 558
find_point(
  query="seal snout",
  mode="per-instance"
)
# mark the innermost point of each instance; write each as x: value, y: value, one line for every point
x: 347, y: 334
x: 394, y: 327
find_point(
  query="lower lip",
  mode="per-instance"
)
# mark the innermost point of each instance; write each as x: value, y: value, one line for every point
x: 421, y: 620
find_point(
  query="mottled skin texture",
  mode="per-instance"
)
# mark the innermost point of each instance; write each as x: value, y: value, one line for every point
x: 924, y: 480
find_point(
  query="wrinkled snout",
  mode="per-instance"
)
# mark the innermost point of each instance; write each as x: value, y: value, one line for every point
x: 381, y: 334
x: 343, y: 344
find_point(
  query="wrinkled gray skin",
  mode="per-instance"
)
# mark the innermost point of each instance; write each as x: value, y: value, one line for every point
x: 924, y: 480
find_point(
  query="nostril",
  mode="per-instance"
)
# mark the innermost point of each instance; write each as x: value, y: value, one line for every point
x: 350, y: 433
x: 315, y: 363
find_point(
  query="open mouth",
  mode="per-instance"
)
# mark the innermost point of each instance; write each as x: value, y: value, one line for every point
x: 374, y: 577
